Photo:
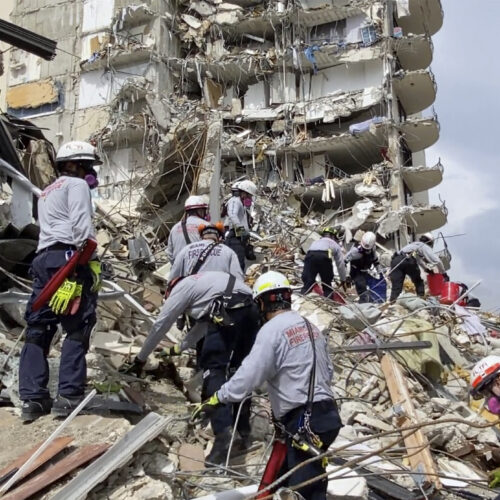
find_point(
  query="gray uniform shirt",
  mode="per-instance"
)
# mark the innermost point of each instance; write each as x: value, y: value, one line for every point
x: 176, y: 239
x: 327, y: 244
x: 365, y: 259
x: 220, y: 258
x: 282, y: 356
x: 423, y: 254
x: 194, y: 296
x: 65, y: 213
x: 236, y: 214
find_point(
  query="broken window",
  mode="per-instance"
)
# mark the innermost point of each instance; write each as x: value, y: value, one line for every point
x: 368, y: 35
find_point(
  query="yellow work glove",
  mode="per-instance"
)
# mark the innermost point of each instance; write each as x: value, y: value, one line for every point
x: 205, y: 406
x: 169, y: 351
x: 95, y: 269
x: 63, y: 295
x: 494, y: 478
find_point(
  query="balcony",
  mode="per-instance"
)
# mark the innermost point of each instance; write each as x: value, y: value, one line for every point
x: 424, y: 17
x: 420, y: 133
x: 414, y: 51
x: 426, y: 218
x: 422, y: 178
x: 416, y: 90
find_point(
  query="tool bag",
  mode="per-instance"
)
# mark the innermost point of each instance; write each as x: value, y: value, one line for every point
x: 218, y: 310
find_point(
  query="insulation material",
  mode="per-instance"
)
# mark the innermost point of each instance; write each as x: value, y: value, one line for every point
x: 371, y: 190
x: 283, y: 89
x: 403, y: 8
x: 97, y: 14
x: 360, y: 212
x: 353, y: 31
x: 257, y: 96
x: 24, y: 67
x: 93, y: 43
x: 346, y: 78
x: 98, y: 88
x: 390, y: 224
x: 32, y: 95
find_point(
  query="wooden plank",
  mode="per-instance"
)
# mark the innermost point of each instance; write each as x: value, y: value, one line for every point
x: 421, y: 462
x: 148, y: 428
x: 56, y: 446
x: 60, y: 469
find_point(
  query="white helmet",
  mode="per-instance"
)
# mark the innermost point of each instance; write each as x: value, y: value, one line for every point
x: 427, y: 238
x: 270, y: 281
x: 248, y: 187
x: 368, y: 240
x: 78, y: 150
x: 235, y: 186
x: 483, y: 373
x: 193, y: 202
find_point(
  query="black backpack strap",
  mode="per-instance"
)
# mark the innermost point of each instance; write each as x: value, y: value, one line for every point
x: 202, y: 258
x: 312, y: 375
x: 185, y: 232
x: 228, y: 292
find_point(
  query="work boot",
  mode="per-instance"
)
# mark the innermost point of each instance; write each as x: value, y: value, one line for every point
x: 64, y: 405
x: 35, y: 408
x: 219, y: 451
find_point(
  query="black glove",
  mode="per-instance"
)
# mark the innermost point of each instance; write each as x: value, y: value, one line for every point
x: 430, y: 271
x: 348, y: 282
x: 133, y: 367
x: 181, y: 322
x: 446, y: 277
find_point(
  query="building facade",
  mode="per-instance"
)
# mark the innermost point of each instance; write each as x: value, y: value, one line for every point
x: 331, y: 96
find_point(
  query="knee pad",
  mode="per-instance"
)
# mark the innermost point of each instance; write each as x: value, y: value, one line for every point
x: 42, y: 337
x: 82, y: 336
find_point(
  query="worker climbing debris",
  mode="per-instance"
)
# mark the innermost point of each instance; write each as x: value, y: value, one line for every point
x: 227, y: 319
x: 238, y: 236
x: 362, y: 258
x: 186, y: 230
x: 291, y: 355
x: 65, y: 215
x: 319, y: 261
x: 209, y: 254
x: 408, y: 262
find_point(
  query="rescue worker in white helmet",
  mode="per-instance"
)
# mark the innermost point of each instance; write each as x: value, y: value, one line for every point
x: 186, y: 230
x: 485, y: 382
x: 409, y: 260
x: 228, y: 320
x: 209, y: 254
x: 238, y: 237
x: 290, y: 354
x: 319, y: 261
x: 362, y: 257
x: 65, y: 218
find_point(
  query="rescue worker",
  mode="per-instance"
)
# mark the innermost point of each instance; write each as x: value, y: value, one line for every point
x: 209, y: 254
x: 319, y: 261
x: 186, y: 230
x: 65, y: 217
x: 407, y: 262
x: 291, y: 355
x: 228, y: 319
x: 238, y: 237
x: 338, y: 234
x: 485, y: 382
x: 362, y: 257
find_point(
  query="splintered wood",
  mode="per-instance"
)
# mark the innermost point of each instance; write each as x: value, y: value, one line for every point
x: 416, y: 443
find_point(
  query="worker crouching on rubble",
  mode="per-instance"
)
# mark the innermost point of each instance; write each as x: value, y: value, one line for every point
x: 485, y: 382
x: 228, y: 319
x: 186, y: 230
x: 238, y: 237
x: 362, y: 257
x: 319, y: 261
x: 407, y: 262
x: 209, y: 254
x: 65, y: 216
x: 291, y: 355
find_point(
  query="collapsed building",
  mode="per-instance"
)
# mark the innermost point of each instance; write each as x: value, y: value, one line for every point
x: 325, y: 105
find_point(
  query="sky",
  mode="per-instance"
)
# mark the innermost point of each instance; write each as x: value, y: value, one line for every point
x: 466, y: 65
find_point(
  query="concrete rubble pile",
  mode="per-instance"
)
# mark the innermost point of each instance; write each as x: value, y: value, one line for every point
x: 462, y: 447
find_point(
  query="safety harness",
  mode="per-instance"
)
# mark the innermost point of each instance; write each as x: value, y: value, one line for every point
x: 185, y: 232
x: 202, y: 258
x: 218, y: 310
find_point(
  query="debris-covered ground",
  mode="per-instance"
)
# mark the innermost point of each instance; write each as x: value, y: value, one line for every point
x: 450, y: 442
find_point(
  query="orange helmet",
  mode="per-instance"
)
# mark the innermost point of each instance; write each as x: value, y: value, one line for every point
x: 217, y: 229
